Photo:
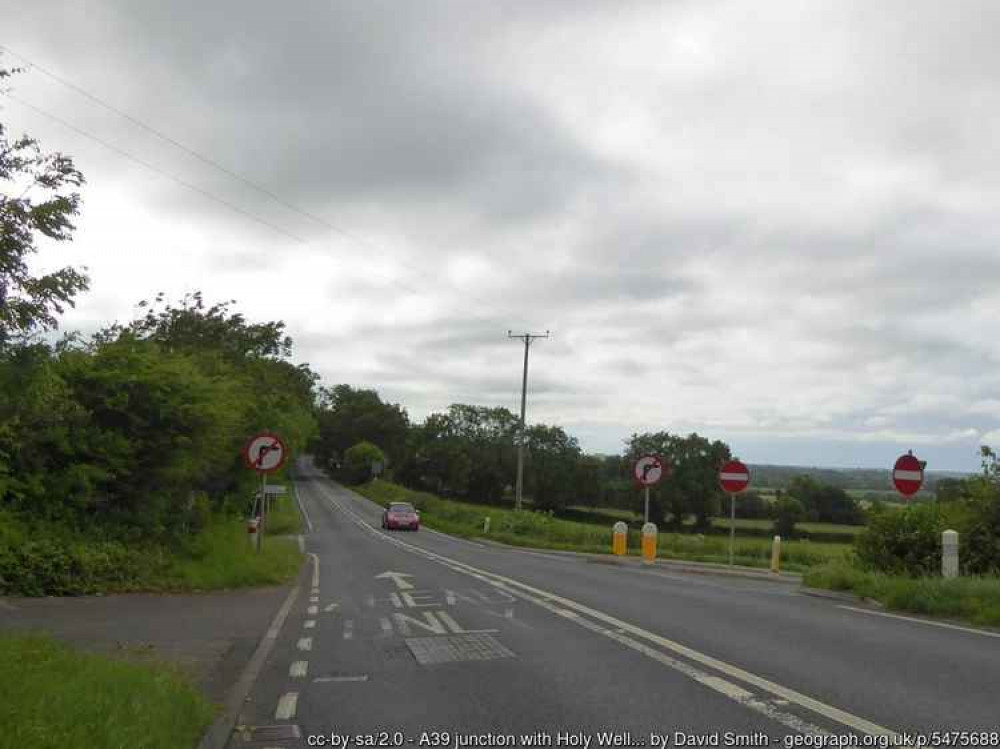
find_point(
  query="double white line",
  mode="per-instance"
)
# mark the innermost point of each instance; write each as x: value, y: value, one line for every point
x: 637, y: 638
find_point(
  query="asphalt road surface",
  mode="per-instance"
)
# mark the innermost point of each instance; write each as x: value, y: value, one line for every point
x: 420, y: 639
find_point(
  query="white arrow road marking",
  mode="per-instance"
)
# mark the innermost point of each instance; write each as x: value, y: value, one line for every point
x: 298, y: 669
x: 306, y: 643
x: 331, y: 607
x: 286, y: 706
x: 609, y: 626
x: 396, y: 577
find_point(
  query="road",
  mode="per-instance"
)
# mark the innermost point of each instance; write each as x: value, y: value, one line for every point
x: 419, y: 633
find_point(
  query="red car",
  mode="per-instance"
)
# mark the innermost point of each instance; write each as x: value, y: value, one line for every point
x: 400, y: 515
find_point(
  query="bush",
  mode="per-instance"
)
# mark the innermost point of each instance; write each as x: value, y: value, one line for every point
x: 903, y: 542
x: 358, y: 460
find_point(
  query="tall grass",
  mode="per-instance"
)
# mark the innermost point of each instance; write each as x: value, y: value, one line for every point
x: 972, y: 599
x: 53, y: 697
x: 543, y: 530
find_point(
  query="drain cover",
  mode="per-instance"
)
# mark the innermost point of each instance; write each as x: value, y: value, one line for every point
x: 456, y: 648
x: 272, y: 733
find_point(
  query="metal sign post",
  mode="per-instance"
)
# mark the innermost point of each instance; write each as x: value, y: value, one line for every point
x: 264, y: 453
x: 734, y: 477
x: 648, y: 470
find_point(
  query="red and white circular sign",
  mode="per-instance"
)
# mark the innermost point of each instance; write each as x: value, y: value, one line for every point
x: 649, y: 469
x: 908, y: 475
x: 734, y: 477
x: 265, y: 453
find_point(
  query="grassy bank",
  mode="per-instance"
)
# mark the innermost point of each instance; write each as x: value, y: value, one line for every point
x: 53, y: 697
x: 541, y: 530
x: 49, y: 559
x: 972, y: 599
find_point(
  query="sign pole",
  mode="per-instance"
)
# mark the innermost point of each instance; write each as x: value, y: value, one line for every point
x: 732, y: 526
x: 645, y: 515
x: 263, y: 511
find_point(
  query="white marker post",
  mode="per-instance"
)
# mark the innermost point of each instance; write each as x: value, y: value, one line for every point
x: 949, y: 554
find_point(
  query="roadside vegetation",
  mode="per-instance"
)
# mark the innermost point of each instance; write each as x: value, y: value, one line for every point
x: 52, y: 696
x: 120, y: 462
x: 543, y: 530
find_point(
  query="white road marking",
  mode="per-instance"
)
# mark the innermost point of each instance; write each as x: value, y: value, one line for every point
x: 302, y: 508
x: 312, y: 610
x: 302, y: 543
x: 331, y: 607
x: 313, y: 599
x: 309, y: 624
x: 298, y: 669
x: 287, y: 706
x: 944, y: 625
x: 386, y: 625
x: 322, y: 679
x: 315, y: 572
x: 518, y: 588
x: 396, y: 577
x: 349, y: 629
x: 305, y: 643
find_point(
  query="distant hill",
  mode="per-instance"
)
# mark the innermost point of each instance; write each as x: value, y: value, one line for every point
x: 860, y: 479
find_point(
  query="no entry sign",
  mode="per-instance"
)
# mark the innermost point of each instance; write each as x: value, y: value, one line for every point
x: 649, y: 469
x: 265, y: 453
x: 734, y: 477
x: 908, y: 474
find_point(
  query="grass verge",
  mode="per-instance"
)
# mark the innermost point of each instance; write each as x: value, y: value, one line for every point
x: 53, y: 697
x: 284, y: 518
x: 38, y: 560
x: 541, y: 530
x: 971, y: 599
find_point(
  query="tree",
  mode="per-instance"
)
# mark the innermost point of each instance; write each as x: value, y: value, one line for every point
x: 350, y: 415
x: 38, y: 201
x: 692, y: 488
x: 359, y: 461
x: 825, y: 503
x: 553, y: 457
x: 787, y: 512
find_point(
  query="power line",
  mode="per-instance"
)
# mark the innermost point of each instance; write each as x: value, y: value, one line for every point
x: 154, y: 168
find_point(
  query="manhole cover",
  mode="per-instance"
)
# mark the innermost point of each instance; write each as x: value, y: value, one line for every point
x: 456, y: 648
x: 272, y: 733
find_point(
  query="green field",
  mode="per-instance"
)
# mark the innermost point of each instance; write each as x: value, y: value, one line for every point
x: 542, y: 530
x: 53, y: 697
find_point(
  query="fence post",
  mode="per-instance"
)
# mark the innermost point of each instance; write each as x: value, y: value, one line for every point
x: 949, y: 554
x: 486, y: 524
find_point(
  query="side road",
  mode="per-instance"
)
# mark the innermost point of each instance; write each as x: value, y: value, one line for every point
x: 210, y: 636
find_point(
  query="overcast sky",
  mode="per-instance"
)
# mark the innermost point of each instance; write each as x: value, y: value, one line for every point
x: 773, y: 223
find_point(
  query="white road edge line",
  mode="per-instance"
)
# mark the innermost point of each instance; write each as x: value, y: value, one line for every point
x: 302, y: 507
x: 828, y: 711
x: 945, y: 625
x: 315, y: 584
x: 287, y: 706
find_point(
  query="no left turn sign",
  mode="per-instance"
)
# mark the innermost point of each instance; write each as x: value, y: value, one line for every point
x: 265, y: 453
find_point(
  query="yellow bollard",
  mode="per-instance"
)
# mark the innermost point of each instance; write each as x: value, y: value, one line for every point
x: 776, y: 555
x: 649, y: 537
x: 619, y: 535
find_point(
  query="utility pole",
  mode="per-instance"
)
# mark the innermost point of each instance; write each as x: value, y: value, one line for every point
x: 527, y: 338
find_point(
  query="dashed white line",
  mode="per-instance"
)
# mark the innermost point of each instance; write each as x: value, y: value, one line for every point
x: 312, y: 610
x: 309, y: 623
x: 305, y: 643
x: 324, y: 679
x: 331, y: 607
x: 287, y: 706
x: 348, y: 629
x: 298, y: 669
